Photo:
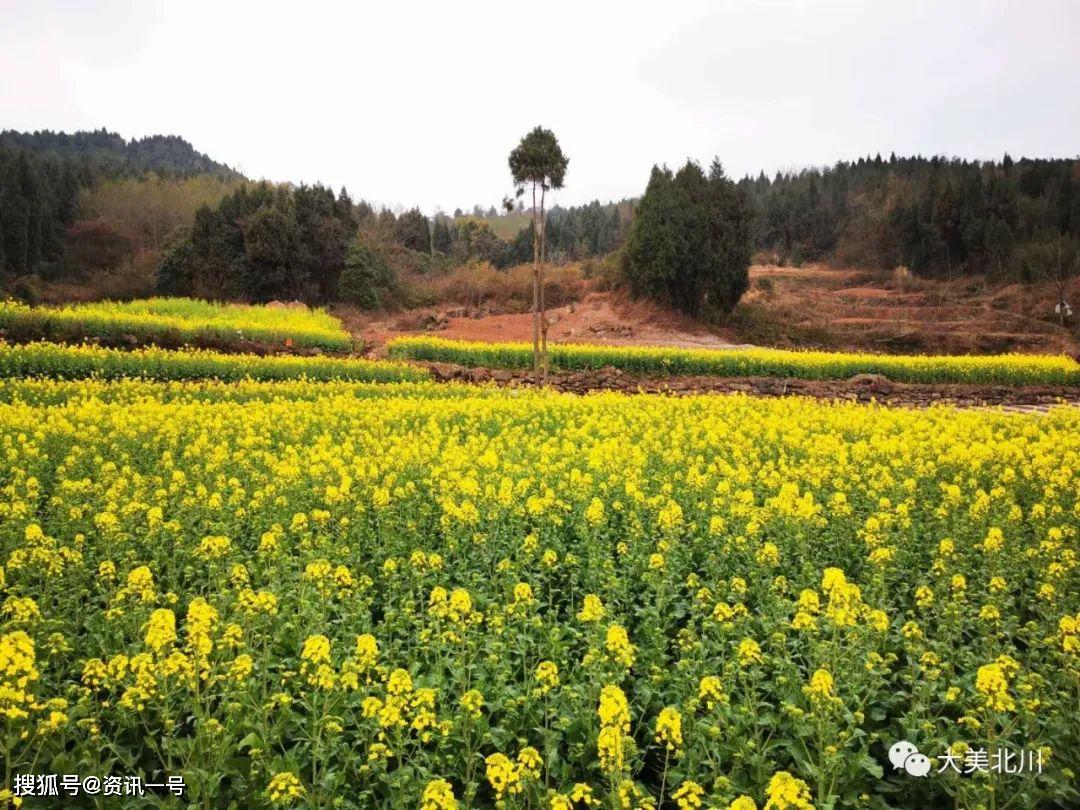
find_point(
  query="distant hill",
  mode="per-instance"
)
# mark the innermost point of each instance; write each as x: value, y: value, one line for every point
x: 108, y: 154
x: 573, y: 233
x: 505, y: 225
x: 936, y: 216
x: 43, y: 176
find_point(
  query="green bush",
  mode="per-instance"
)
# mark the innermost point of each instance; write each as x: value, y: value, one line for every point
x: 366, y: 277
x: 690, y: 244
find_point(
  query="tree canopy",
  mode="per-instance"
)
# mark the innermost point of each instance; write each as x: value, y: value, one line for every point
x: 539, y: 159
x: 691, y: 242
x: 45, y: 175
x: 934, y: 215
x: 263, y: 242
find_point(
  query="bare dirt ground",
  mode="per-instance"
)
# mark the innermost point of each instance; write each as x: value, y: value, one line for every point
x: 860, y: 388
x: 600, y: 318
x: 883, y: 312
x: 813, y: 306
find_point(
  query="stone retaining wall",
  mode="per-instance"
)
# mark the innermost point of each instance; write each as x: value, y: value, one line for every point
x: 860, y: 388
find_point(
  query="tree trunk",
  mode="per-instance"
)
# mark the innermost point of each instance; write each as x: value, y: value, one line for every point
x: 543, y: 309
x: 536, y: 287
x: 1059, y: 285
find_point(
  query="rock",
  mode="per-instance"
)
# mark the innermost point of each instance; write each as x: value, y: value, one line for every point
x: 432, y: 321
x: 872, y: 382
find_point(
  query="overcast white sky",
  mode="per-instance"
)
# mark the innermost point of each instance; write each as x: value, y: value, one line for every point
x: 415, y: 103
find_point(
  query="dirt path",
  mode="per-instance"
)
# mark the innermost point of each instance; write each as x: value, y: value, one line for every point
x: 861, y: 388
x: 813, y: 306
x: 600, y: 319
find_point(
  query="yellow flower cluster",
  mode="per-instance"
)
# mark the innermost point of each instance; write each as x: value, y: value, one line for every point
x: 18, y: 671
x: 821, y: 689
x: 508, y: 777
x: 689, y: 795
x: 756, y: 362
x: 992, y: 682
x: 547, y: 676
x: 711, y: 692
x: 614, y: 713
x: 353, y: 582
x: 160, y: 630
x: 618, y: 646
x: 438, y: 795
x: 592, y: 609
x: 455, y: 606
x: 669, y: 729
x: 75, y: 362
x: 1069, y: 626
x: 749, y: 652
x: 284, y: 789
x: 785, y: 792
x: 472, y: 702
x: 188, y: 318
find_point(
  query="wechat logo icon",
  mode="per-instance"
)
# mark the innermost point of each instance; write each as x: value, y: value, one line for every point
x: 905, y: 755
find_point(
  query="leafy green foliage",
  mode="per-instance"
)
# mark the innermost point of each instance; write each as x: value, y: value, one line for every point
x: 413, y: 231
x: 106, y: 154
x: 173, y: 274
x: 37, y: 200
x: 474, y: 239
x: 441, y: 239
x: 366, y: 277
x: 930, y: 214
x: 43, y: 174
x: 264, y: 242
x: 539, y: 159
x: 690, y: 243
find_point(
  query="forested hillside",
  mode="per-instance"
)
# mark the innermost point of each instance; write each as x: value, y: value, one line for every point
x: 43, y: 176
x: 937, y: 216
x: 107, y: 154
x: 130, y: 218
x: 934, y: 215
x: 263, y: 242
x: 573, y: 232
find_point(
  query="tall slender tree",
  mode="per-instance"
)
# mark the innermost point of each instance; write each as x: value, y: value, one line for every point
x: 538, y: 163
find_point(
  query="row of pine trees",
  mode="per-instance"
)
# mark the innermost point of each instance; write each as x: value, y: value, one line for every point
x: 936, y: 216
x: 933, y: 215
